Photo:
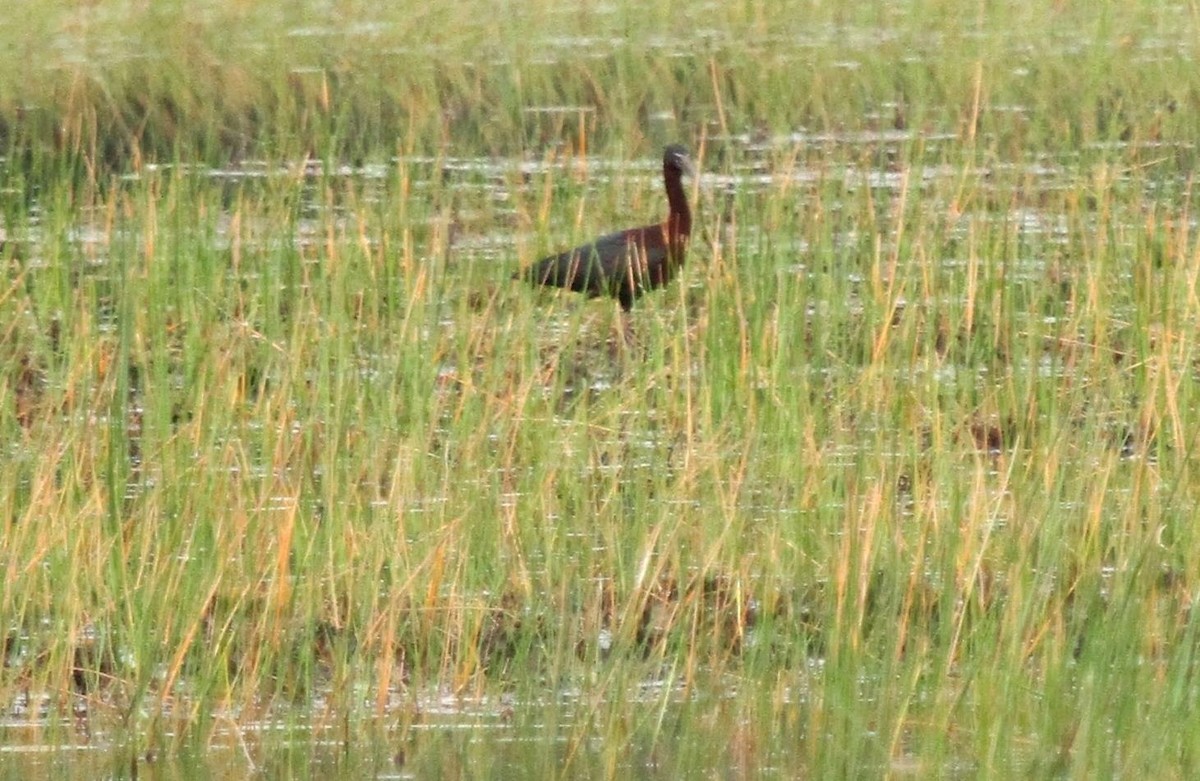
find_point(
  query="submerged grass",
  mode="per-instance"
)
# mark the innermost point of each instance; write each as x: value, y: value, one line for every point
x: 897, y: 479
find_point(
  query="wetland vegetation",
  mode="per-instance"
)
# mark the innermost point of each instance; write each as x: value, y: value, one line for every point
x: 894, y: 480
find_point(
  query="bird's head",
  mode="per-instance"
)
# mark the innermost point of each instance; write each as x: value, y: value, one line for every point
x: 676, y: 156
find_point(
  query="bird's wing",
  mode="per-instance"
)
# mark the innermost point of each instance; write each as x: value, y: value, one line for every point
x: 590, y: 268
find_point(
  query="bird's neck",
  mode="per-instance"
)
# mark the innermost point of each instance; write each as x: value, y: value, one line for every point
x: 679, y: 222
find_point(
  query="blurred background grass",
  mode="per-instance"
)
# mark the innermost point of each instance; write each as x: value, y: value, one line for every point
x: 213, y: 81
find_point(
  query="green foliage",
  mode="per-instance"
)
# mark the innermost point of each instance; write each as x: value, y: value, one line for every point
x: 896, y: 479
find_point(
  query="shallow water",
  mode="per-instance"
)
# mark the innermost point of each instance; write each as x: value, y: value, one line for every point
x: 432, y: 734
x: 441, y: 735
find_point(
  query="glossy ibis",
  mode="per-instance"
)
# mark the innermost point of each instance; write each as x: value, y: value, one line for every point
x: 627, y: 263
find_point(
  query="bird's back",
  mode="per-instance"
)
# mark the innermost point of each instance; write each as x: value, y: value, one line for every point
x: 621, y: 264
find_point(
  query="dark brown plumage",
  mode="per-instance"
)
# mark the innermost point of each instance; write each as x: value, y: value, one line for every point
x: 627, y: 263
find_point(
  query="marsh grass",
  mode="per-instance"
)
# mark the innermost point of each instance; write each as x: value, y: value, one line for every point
x: 896, y: 479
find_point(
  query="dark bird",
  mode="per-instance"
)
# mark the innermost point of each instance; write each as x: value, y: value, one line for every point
x: 627, y: 263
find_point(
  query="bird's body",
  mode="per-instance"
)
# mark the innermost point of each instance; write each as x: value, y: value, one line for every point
x: 628, y: 263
